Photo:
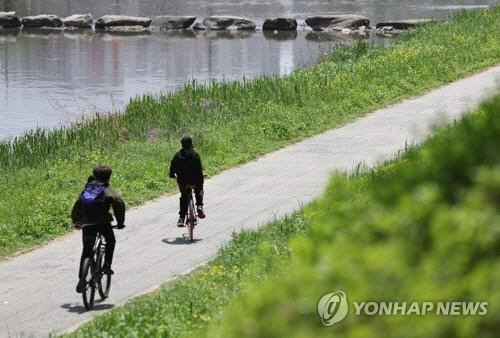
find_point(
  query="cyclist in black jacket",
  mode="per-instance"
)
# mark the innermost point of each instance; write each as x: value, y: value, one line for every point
x: 187, y: 169
x: 95, y: 218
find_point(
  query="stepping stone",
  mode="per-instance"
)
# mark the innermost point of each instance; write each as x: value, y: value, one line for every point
x: 280, y: 24
x: 228, y: 22
x: 42, y: 20
x: 78, y: 21
x: 331, y: 22
x: 403, y: 24
x: 121, y: 21
x: 9, y: 19
x: 173, y: 22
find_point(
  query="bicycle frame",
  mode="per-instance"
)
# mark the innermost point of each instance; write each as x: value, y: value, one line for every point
x: 99, y: 247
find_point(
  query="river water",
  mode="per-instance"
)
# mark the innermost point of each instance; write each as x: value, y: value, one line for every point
x: 50, y: 78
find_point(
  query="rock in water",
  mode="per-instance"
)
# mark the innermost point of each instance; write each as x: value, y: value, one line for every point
x: 78, y: 21
x: 9, y: 19
x: 280, y: 24
x: 198, y: 26
x: 173, y: 22
x: 42, y: 20
x: 228, y: 22
x: 122, y: 21
x: 403, y: 24
x: 337, y: 22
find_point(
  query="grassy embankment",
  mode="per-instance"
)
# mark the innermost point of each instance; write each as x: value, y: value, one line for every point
x: 43, y: 172
x: 424, y: 227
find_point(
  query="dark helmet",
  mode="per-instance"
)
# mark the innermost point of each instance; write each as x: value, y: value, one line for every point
x: 102, y: 173
x: 186, y: 142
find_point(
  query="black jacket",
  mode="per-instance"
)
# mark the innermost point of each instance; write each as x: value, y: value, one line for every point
x: 187, y: 165
x: 86, y: 216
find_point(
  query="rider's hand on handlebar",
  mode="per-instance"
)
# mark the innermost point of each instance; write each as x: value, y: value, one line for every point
x: 77, y: 226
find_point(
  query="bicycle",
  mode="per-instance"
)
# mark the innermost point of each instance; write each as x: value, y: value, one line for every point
x: 94, y: 277
x: 191, y: 217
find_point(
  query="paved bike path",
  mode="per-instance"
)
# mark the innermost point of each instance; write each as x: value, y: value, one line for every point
x: 37, y: 289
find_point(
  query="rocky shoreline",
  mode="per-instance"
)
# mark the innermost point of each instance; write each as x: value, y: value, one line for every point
x: 346, y: 24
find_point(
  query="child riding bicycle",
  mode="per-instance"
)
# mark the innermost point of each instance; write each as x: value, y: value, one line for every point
x: 91, y: 214
x: 187, y: 169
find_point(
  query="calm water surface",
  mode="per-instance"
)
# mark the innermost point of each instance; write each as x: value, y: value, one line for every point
x: 49, y: 78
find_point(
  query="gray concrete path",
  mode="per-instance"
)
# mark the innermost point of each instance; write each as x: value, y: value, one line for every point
x: 37, y: 293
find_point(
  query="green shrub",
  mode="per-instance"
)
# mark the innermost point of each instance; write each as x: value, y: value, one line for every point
x: 424, y: 227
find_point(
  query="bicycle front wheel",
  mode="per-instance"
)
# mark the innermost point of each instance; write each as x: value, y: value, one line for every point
x: 191, y: 219
x: 190, y: 230
x: 103, y: 280
x: 88, y: 293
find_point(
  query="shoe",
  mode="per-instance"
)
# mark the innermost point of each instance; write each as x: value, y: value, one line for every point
x: 106, y: 269
x: 199, y: 209
x: 180, y: 222
x: 80, y: 286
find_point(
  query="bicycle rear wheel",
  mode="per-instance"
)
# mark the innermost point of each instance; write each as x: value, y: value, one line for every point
x: 88, y: 293
x: 103, y: 279
x: 191, y: 219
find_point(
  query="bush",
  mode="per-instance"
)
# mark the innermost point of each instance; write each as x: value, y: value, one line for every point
x: 424, y: 227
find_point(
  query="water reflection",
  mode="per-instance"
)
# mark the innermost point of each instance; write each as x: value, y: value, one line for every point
x: 8, y: 35
x: 335, y: 36
x: 41, y: 33
x: 54, y: 77
x: 181, y: 33
x: 280, y: 36
x: 255, y: 9
x: 226, y: 34
x: 122, y: 33
x: 49, y: 77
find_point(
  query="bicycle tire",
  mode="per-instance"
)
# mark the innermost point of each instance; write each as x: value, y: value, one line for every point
x: 88, y: 293
x: 191, y: 218
x: 103, y: 279
x: 190, y: 229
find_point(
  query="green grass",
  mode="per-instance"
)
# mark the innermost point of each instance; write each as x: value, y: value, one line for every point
x: 43, y: 172
x: 193, y: 300
x: 424, y: 227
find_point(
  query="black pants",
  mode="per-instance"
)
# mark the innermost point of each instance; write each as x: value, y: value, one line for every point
x: 89, y: 234
x: 183, y: 201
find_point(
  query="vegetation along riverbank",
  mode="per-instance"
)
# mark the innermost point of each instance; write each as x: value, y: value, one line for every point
x: 421, y: 228
x: 42, y: 172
